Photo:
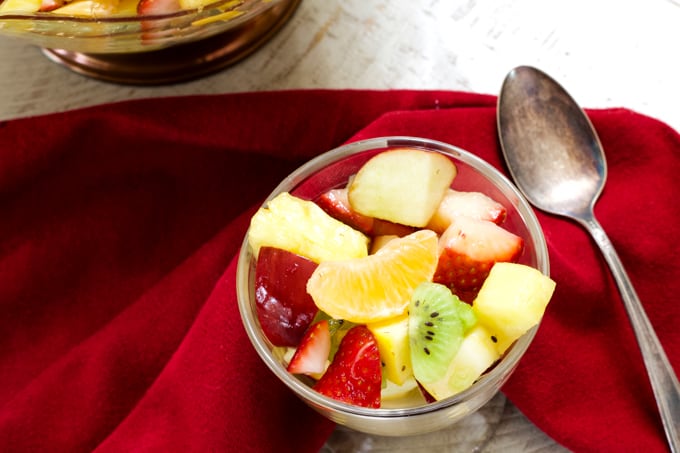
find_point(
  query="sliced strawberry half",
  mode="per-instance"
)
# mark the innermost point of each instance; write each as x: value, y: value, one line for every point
x: 157, y: 7
x: 50, y: 5
x: 354, y: 376
x: 467, y: 251
x: 336, y: 204
x: 311, y: 354
x: 469, y: 204
x: 153, y: 29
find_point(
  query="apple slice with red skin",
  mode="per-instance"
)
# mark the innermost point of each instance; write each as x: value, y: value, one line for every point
x: 336, y: 204
x: 284, y: 307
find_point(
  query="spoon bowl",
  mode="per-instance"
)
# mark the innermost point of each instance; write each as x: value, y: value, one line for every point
x: 561, y: 168
x: 556, y: 159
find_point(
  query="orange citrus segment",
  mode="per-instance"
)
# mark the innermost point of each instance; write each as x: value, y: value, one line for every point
x: 378, y: 286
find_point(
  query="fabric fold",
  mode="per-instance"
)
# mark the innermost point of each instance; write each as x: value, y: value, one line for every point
x: 119, y: 229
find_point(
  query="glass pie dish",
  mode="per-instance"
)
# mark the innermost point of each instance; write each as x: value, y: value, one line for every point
x: 120, y: 45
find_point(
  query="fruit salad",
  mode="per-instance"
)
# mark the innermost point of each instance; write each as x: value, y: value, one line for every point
x: 397, y: 288
x: 112, y: 8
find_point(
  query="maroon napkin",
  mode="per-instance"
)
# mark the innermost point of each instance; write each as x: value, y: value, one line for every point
x: 119, y: 227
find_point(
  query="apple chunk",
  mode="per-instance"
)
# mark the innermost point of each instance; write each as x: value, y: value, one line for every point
x: 476, y: 354
x: 284, y: 308
x: 404, y: 185
x: 335, y: 203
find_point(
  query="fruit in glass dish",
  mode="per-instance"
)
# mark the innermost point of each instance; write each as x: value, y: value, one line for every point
x: 405, y: 300
x: 136, y: 41
x: 106, y: 8
x: 461, y: 384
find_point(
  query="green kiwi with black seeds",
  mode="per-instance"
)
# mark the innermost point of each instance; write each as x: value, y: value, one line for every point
x: 438, y: 320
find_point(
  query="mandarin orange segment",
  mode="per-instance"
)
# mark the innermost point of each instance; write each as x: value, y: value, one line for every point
x: 376, y: 287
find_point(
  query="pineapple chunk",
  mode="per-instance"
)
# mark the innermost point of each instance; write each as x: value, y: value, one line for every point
x: 511, y: 301
x: 476, y: 354
x: 393, y: 344
x: 88, y: 8
x: 403, y: 186
x: 403, y: 395
x: 20, y: 6
x: 380, y: 241
x: 300, y: 226
x: 127, y: 7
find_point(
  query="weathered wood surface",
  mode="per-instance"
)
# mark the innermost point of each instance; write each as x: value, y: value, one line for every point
x: 607, y: 53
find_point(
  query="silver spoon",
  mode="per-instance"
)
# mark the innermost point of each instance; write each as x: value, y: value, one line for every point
x: 555, y: 157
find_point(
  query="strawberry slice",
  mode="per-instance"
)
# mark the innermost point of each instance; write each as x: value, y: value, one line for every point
x: 336, y: 204
x: 156, y: 30
x: 354, y: 376
x: 50, y: 5
x: 467, y: 251
x: 311, y: 355
x: 157, y: 7
x: 469, y: 204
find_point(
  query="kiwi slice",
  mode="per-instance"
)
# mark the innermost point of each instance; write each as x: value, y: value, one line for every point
x: 438, y: 320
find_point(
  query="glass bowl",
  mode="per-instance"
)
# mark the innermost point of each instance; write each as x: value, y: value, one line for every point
x: 122, y: 46
x: 332, y: 169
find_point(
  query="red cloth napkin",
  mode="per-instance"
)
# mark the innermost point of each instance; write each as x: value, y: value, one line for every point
x: 119, y: 226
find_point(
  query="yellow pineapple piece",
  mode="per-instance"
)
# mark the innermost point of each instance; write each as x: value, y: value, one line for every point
x: 127, y: 7
x: 88, y: 8
x: 393, y: 344
x: 20, y: 6
x: 511, y: 301
x: 300, y: 226
x: 476, y: 354
x: 396, y: 396
x: 199, y: 4
x: 380, y: 241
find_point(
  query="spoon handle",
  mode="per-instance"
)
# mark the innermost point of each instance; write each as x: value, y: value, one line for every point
x: 663, y: 379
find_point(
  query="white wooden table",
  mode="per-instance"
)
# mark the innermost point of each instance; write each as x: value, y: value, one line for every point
x: 607, y: 53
